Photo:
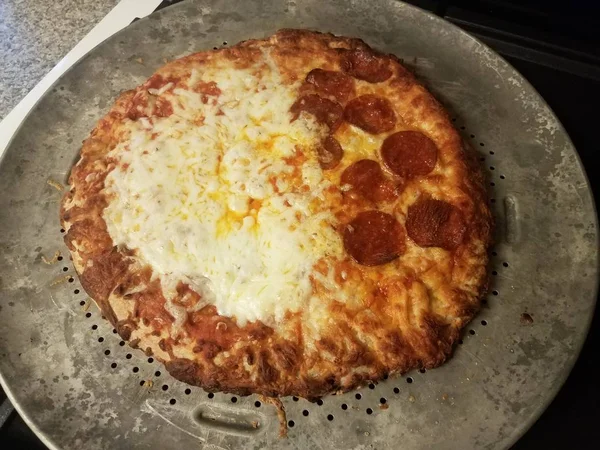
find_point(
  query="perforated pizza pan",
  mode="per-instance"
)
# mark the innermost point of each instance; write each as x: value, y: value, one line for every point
x: 77, y: 385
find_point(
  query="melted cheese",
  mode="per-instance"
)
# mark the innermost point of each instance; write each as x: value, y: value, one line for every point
x: 209, y: 198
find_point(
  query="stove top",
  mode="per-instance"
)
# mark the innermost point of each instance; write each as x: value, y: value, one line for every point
x: 557, y: 48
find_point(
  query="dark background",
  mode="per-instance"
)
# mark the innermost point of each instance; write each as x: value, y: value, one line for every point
x: 556, y: 46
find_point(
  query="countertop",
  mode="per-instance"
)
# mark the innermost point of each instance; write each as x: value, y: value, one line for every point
x: 35, y: 35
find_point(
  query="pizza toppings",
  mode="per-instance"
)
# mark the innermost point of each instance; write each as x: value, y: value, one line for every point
x: 372, y: 113
x: 329, y: 153
x: 331, y: 84
x: 374, y: 238
x: 366, y: 65
x: 366, y: 178
x: 325, y: 111
x: 144, y: 104
x: 160, y: 83
x: 435, y: 223
x: 207, y: 89
x: 409, y: 154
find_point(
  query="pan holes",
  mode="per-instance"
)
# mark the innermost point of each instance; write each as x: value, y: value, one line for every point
x: 113, y: 365
x: 386, y: 376
x: 422, y: 370
x: 142, y: 382
x: 409, y: 380
x: 114, y: 331
x: 371, y: 386
x: 492, y: 184
x: 65, y: 269
x: 188, y: 391
x: 128, y: 356
x: 344, y: 407
x: 100, y: 339
x: 122, y: 343
x: 62, y: 230
x: 484, y: 322
x: 369, y: 411
x: 172, y: 401
x: 483, y: 301
x: 505, y: 264
x: 383, y: 400
x: 491, y: 152
x: 454, y: 119
x: 472, y: 136
x: 330, y: 417
x: 502, y: 177
x: 71, y: 279
x: 305, y: 413
x: 492, y: 200
x: 358, y: 396
x: 136, y: 369
x: 224, y: 42
x: 320, y: 402
x: 482, y: 159
x: 494, y: 272
x: 481, y: 144
x: 157, y: 373
x: 60, y: 258
x: 492, y: 168
x: 107, y: 352
x: 460, y: 342
x: 257, y: 404
x: 295, y: 399
x: 495, y: 292
x: 82, y: 303
x: 472, y: 332
x: 462, y: 128
x: 291, y: 423
x: 150, y: 360
x: 165, y: 387
x: 76, y: 291
x: 494, y: 254
x: 211, y: 395
x: 215, y: 48
x: 233, y: 399
x: 88, y: 315
x: 396, y: 390
x: 94, y: 327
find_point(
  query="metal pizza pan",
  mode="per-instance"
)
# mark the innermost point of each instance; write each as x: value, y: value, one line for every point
x: 76, y: 384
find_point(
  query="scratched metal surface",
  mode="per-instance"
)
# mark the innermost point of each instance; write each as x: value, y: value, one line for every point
x: 58, y: 365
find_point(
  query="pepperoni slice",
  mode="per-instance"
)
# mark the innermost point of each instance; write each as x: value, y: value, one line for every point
x: 409, y: 154
x: 368, y: 180
x: 373, y: 238
x: 331, y: 83
x: 330, y: 153
x: 325, y: 111
x: 366, y: 65
x: 371, y: 113
x: 435, y: 223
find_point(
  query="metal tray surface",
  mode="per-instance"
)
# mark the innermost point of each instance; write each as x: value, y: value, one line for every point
x: 78, y: 386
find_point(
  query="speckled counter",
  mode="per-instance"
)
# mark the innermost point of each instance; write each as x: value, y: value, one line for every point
x: 35, y: 35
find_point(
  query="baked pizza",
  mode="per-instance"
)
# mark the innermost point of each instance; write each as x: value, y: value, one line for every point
x: 287, y: 216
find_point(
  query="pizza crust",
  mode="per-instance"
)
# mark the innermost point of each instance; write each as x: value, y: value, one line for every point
x: 410, y: 311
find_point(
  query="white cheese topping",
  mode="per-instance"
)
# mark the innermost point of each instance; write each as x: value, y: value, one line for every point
x: 207, y: 198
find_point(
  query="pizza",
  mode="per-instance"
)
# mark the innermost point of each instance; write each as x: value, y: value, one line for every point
x: 288, y: 216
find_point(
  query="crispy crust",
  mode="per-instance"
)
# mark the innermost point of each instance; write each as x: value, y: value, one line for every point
x: 411, y: 313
